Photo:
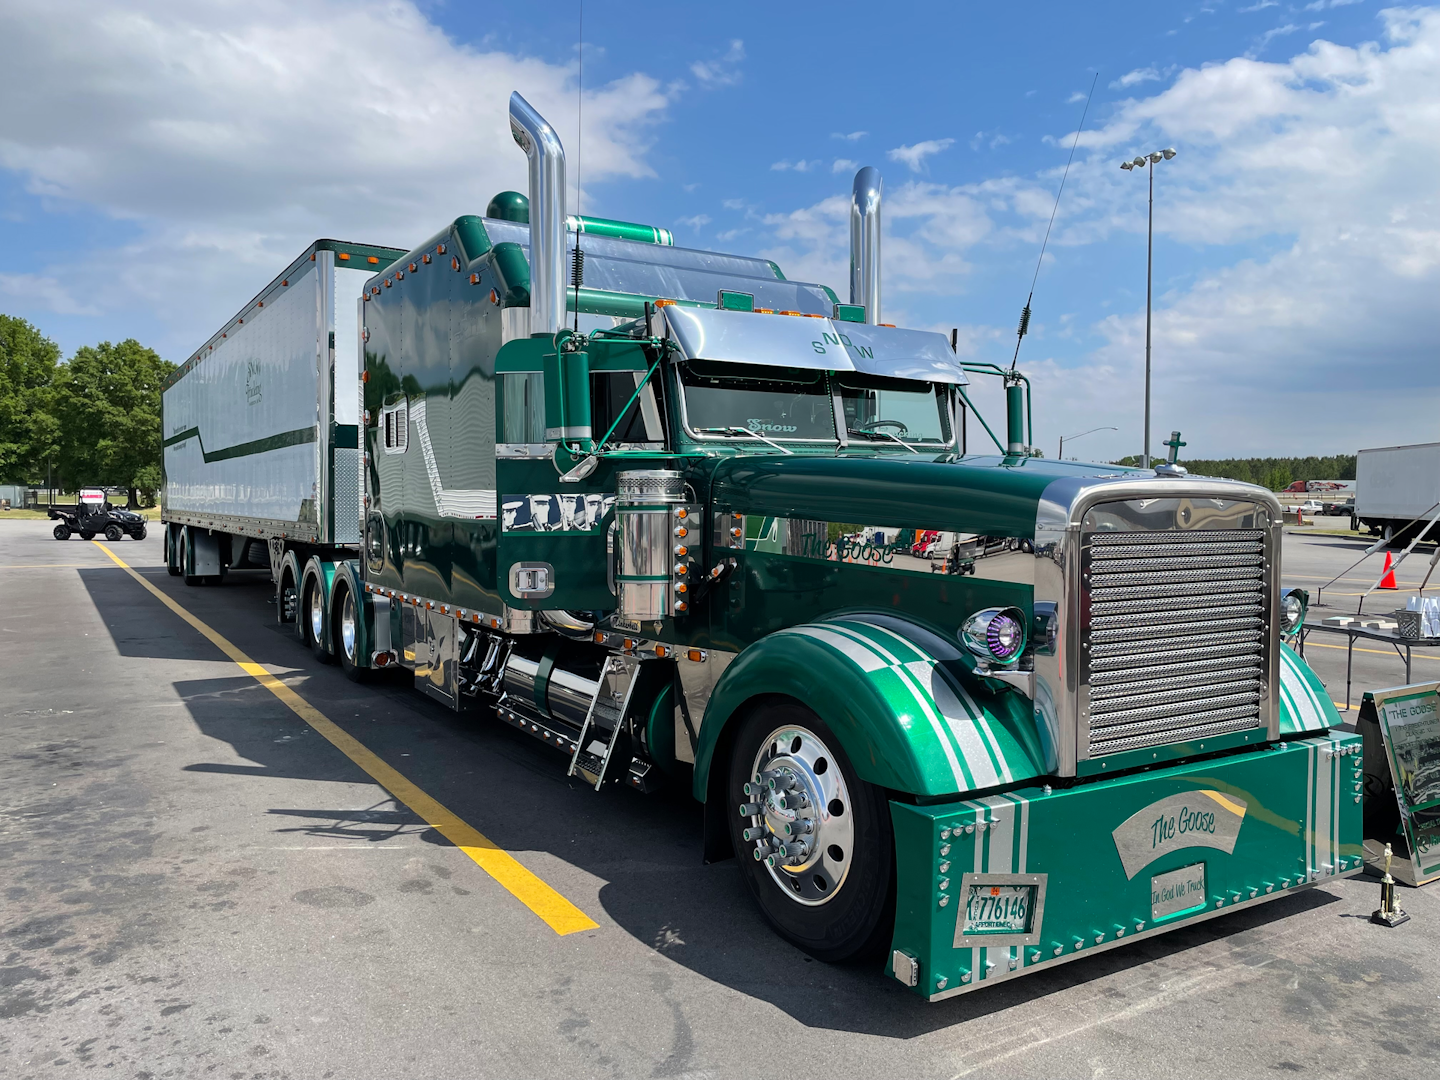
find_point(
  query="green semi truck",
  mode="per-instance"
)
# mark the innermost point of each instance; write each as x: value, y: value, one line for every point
x: 675, y: 515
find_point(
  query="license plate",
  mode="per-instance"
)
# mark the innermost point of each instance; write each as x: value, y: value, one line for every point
x: 999, y: 909
x: 1177, y: 890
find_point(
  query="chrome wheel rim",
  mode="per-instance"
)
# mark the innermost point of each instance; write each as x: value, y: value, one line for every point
x: 347, y: 626
x: 317, y: 615
x: 800, y: 816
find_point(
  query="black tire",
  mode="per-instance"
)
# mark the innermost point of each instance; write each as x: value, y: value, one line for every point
x: 345, y: 632
x: 139, y: 534
x: 172, y: 554
x: 311, y: 619
x: 855, y: 918
x: 61, y: 531
x: 114, y: 533
x: 191, y: 580
x: 85, y: 534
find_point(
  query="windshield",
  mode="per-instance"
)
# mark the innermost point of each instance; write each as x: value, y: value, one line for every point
x: 780, y: 404
x: 888, y: 409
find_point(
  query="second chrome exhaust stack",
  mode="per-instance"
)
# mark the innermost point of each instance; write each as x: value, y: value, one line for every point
x: 542, y: 146
x: 865, y: 242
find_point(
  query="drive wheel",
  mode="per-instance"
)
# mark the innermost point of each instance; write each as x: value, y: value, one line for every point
x: 61, y: 532
x: 114, y: 533
x: 814, y: 840
x: 345, y: 630
x: 312, y: 621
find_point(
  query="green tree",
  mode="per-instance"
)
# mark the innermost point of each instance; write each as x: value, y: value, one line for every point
x: 107, y: 399
x: 28, y: 430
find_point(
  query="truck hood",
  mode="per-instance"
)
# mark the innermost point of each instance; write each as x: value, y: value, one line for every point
x: 990, y: 495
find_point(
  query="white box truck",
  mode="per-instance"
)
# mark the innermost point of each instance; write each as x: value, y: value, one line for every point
x: 1394, y: 486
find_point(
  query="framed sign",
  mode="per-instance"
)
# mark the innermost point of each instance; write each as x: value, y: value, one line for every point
x: 1406, y: 721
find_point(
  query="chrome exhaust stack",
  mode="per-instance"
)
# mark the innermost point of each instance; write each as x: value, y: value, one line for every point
x: 541, y: 144
x: 865, y: 242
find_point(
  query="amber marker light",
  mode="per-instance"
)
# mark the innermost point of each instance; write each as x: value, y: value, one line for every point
x: 426, y: 258
x: 412, y: 268
x: 661, y: 651
x: 695, y: 655
x: 343, y: 256
x: 664, y: 303
x: 474, y: 279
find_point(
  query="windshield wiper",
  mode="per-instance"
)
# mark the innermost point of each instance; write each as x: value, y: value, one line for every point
x: 741, y: 431
x: 882, y: 435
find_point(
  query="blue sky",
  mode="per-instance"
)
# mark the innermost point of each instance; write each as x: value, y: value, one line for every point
x: 159, y: 162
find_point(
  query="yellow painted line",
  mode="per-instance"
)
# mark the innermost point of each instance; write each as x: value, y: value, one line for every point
x: 1377, y: 652
x: 558, y: 913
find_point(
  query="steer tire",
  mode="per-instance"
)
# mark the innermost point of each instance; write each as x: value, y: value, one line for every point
x: 61, y: 532
x: 856, y: 919
x: 114, y: 533
x: 139, y: 534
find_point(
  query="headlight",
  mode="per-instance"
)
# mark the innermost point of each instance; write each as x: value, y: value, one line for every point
x: 995, y: 634
x: 1293, y: 603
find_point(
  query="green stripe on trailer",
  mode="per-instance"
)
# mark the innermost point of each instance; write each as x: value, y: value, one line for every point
x: 1105, y: 863
x: 298, y: 437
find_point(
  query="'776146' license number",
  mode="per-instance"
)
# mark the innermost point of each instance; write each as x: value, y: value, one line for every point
x: 991, y: 909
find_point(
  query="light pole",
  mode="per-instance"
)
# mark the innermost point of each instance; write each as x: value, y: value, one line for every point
x: 1072, y: 438
x: 1152, y: 159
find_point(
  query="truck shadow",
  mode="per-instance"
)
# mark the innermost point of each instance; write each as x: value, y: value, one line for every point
x: 645, y: 848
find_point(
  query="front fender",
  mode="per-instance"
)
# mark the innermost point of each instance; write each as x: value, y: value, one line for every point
x: 904, y: 705
x: 1305, y: 705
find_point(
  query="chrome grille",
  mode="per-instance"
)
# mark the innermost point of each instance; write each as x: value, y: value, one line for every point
x: 1173, y: 637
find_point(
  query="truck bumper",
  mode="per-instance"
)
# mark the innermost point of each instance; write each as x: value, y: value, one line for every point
x: 998, y: 887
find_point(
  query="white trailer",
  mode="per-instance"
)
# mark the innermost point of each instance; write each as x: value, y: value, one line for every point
x: 261, y: 423
x: 1395, y: 485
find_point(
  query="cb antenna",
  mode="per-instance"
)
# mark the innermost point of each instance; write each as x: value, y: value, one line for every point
x: 1025, y: 311
x: 577, y: 267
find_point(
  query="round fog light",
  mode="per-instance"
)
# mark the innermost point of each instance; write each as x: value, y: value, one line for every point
x: 996, y: 634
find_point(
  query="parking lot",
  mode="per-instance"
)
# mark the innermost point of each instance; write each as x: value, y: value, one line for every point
x: 199, y: 881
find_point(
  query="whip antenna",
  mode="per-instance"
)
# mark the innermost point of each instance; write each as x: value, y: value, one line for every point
x: 1025, y: 311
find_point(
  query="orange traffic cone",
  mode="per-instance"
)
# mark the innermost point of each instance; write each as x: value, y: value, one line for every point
x: 1388, y: 581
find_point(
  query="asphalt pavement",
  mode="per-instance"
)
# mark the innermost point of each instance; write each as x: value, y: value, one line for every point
x: 197, y: 882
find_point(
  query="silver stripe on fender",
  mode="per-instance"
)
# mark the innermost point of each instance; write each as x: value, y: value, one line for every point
x: 1324, y: 860
x: 864, y: 659
x: 1307, y: 710
x: 1308, y: 837
x: 985, y: 761
x: 920, y: 699
x: 1000, y: 859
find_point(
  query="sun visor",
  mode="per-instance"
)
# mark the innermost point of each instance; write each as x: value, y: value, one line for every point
x: 900, y: 354
x: 744, y: 337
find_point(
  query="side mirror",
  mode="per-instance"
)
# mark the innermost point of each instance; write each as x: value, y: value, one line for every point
x: 567, y: 391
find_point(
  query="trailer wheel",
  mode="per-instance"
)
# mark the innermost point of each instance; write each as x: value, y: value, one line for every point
x: 172, y: 556
x: 312, y: 621
x: 61, y: 531
x: 189, y: 578
x: 345, y: 630
x: 114, y: 533
x: 817, y: 853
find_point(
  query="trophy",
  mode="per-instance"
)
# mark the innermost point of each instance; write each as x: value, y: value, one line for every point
x: 1388, y: 914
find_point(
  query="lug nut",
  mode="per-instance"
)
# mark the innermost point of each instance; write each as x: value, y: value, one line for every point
x: 750, y: 809
x: 800, y: 827
x: 756, y: 832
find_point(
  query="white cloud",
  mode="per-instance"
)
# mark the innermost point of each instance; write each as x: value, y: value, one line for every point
x: 1261, y: 5
x: 1269, y: 36
x: 730, y: 234
x: 723, y: 70
x: 1075, y: 98
x: 914, y: 156
x: 796, y: 166
x: 854, y: 136
x: 1135, y: 78
x: 842, y: 165
x: 734, y: 204
x: 695, y: 221
x: 232, y: 135
x: 49, y: 293
x: 1303, y: 189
